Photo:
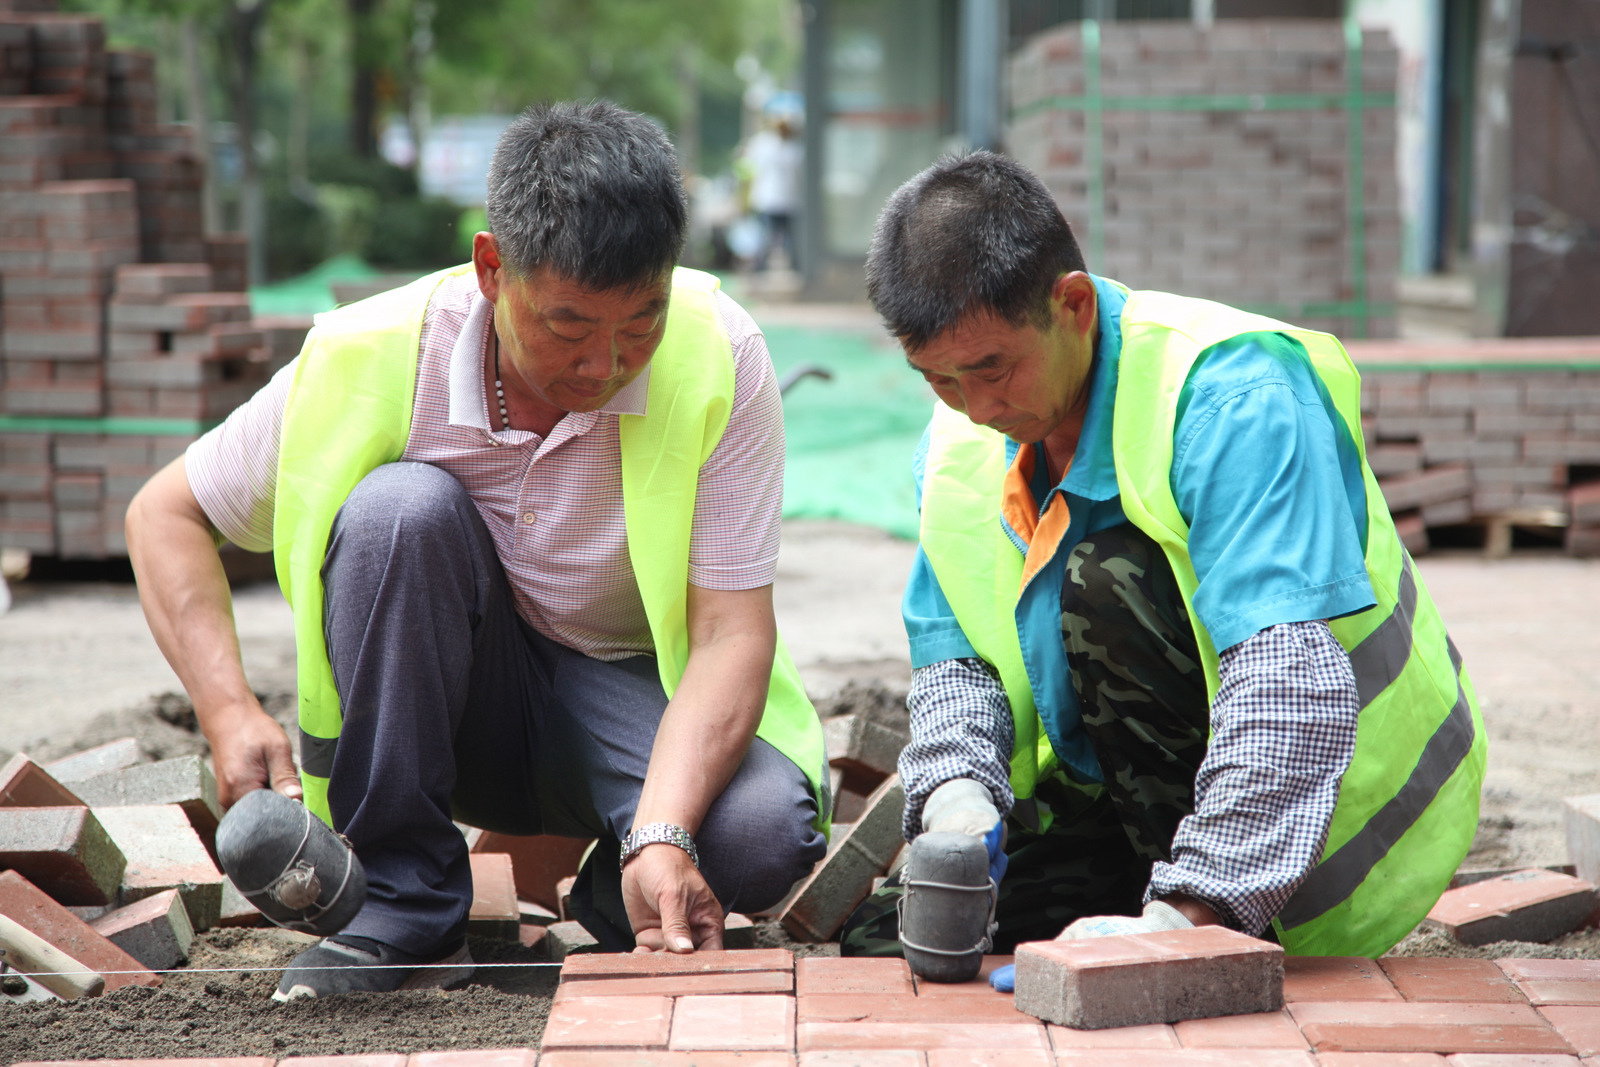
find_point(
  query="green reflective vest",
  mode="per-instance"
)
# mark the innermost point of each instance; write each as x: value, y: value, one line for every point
x: 349, y: 411
x: 1408, y: 804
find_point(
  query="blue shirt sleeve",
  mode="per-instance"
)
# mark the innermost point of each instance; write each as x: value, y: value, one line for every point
x: 1269, y: 480
x: 931, y: 625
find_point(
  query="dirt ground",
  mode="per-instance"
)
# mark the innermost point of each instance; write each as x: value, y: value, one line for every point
x: 78, y: 668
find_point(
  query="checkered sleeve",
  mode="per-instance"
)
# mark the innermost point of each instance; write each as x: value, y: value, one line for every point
x: 960, y: 728
x: 1283, y: 731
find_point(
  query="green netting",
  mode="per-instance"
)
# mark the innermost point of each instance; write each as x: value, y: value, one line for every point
x: 851, y: 439
x: 309, y: 293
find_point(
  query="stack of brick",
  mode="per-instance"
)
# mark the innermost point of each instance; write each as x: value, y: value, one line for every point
x: 1224, y: 162
x: 1494, y: 432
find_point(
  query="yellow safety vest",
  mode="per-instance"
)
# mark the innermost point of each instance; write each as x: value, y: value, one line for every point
x: 349, y: 411
x: 1408, y: 804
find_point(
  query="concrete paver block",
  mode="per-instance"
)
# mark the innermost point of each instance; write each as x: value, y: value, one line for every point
x: 972, y: 1057
x: 1531, y: 905
x: 1578, y: 1025
x: 900, y: 1008
x: 673, y: 985
x: 1501, y: 1059
x: 494, y: 897
x: 235, y: 909
x: 1582, y: 817
x: 32, y: 908
x: 32, y: 955
x: 1381, y: 1059
x: 164, y: 852
x: 1555, y: 981
x: 389, y: 1059
x: 662, y: 1058
x: 1271, y: 1029
x: 566, y: 939
x: 65, y: 851
x: 538, y: 863
x: 731, y: 1023
x: 858, y: 974
x: 738, y: 931
x: 1153, y: 1036
x: 917, y: 1035
x: 186, y: 782
x: 25, y: 784
x: 1409, y: 1026
x: 612, y: 965
x: 488, y: 1057
x: 843, y: 878
x: 111, y: 756
x: 1148, y: 978
x: 1336, y: 978
x: 609, y: 1022
x: 978, y: 987
x: 1195, y: 1057
x: 529, y: 935
x: 1427, y: 978
x: 886, y: 1057
x: 564, y: 896
x: 155, y: 931
x: 864, y: 751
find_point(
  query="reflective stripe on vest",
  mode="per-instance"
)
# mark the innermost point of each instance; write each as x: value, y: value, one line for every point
x: 349, y: 411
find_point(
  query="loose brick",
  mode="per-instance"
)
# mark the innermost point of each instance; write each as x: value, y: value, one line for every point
x: 1437, y: 485
x: 1532, y: 905
x: 155, y: 931
x: 828, y: 896
x: 609, y: 1022
x: 1377, y: 1026
x: 25, y: 784
x: 185, y: 781
x: 1153, y: 1036
x: 1582, y: 818
x: 1336, y: 978
x: 866, y: 752
x: 1425, y: 978
x: 25, y: 903
x: 537, y: 863
x: 164, y: 853
x: 235, y: 909
x: 738, y: 931
x: 681, y: 985
x: 566, y: 939
x: 1578, y: 1025
x: 64, y: 851
x: 1148, y: 978
x: 494, y: 897
x: 979, y: 1035
x: 529, y: 935
x: 1272, y: 1029
x: 857, y: 974
x: 732, y: 1022
x: 1555, y: 981
x: 610, y: 965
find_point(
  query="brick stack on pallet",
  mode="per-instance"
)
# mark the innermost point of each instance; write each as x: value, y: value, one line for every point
x: 113, y: 302
x: 1224, y: 162
x: 1501, y: 433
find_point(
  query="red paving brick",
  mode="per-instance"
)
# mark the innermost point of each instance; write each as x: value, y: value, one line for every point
x: 1159, y: 1035
x: 494, y: 897
x: 601, y: 965
x: 970, y: 1057
x: 1192, y: 1057
x: 30, y: 906
x: 1335, y: 978
x: 659, y: 1058
x: 1580, y: 1025
x: 1438, y: 979
x: 1473, y: 1059
x: 616, y: 1022
x: 978, y: 986
x: 733, y: 1022
x: 975, y: 1035
x: 824, y: 974
x: 25, y: 784
x: 489, y: 1057
x: 538, y: 863
x: 1556, y: 981
x: 1532, y: 905
x: 1270, y: 1029
x: 887, y: 1008
x: 1381, y: 1059
x: 886, y: 1057
x: 675, y: 985
x: 393, y: 1059
x: 1379, y: 1026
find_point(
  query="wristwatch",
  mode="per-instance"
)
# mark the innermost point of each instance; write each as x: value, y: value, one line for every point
x: 658, y: 833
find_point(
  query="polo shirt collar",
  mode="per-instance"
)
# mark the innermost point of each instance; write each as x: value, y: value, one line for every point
x: 468, y: 397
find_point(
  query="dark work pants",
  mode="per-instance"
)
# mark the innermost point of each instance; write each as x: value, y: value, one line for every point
x: 454, y: 708
x: 1136, y: 671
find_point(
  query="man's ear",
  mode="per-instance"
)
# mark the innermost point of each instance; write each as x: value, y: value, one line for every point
x: 486, y: 262
x: 1076, y: 303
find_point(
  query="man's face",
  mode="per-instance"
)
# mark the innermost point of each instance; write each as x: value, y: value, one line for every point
x: 573, y: 347
x: 1023, y: 381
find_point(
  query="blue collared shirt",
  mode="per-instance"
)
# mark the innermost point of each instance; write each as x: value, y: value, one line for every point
x: 1265, y: 473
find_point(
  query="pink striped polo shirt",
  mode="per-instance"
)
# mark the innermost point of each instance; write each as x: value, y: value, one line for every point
x: 553, y: 504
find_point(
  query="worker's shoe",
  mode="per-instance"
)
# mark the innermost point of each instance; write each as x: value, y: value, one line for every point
x: 350, y: 964
x: 947, y: 912
x: 289, y: 864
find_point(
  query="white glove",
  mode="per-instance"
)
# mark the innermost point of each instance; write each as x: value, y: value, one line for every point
x: 960, y: 806
x: 1157, y: 916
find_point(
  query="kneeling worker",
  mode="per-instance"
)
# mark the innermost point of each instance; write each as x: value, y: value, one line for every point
x: 1160, y: 619
x: 526, y: 512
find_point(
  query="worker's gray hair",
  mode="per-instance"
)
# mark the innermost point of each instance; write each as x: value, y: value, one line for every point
x: 590, y: 191
x: 972, y: 234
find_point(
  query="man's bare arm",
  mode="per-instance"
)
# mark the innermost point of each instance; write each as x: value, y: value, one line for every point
x: 187, y: 603
x: 703, y: 737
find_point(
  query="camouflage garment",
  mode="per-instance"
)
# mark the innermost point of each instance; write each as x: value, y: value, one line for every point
x: 1136, y: 670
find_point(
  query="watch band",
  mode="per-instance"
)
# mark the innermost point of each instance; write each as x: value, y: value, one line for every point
x: 658, y: 833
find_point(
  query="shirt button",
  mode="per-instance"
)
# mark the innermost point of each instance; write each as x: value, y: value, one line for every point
x: 527, y: 518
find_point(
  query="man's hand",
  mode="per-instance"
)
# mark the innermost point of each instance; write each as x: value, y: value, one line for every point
x: 1158, y: 915
x: 669, y: 903
x: 252, y: 752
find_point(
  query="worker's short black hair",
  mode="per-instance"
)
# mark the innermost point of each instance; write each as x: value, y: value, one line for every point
x: 972, y: 234
x: 589, y: 190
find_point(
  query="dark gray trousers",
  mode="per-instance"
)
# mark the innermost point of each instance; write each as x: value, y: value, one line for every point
x: 454, y: 708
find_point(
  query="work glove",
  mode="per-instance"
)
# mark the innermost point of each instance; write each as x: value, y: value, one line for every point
x: 1157, y: 916
x: 965, y: 806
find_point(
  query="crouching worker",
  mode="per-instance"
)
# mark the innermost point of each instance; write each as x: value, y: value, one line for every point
x: 526, y: 512
x: 1160, y: 619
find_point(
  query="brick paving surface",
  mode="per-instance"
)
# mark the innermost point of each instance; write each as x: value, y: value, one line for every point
x: 761, y: 1008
